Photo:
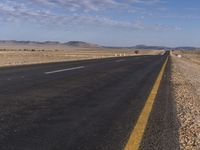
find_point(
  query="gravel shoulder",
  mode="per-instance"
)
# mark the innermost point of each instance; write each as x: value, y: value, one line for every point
x: 185, y: 81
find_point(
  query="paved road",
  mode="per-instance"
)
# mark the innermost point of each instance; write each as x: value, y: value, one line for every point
x: 83, y: 105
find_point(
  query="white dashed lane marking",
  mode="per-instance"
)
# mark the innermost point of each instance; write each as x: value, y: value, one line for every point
x: 120, y: 60
x: 63, y: 70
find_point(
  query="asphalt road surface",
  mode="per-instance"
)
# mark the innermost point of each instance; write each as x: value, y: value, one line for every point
x: 82, y: 105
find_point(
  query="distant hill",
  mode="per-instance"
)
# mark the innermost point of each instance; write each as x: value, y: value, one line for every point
x: 26, y: 42
x: 165, y: 48
x: 185, y: 48
x: 145, y: 47
x: 80, y: 44
x: 150, y: 47
x: 53, y: 44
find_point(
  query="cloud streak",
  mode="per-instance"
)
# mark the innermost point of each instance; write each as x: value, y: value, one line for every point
x: 12, y: 11
x: 91, y: 5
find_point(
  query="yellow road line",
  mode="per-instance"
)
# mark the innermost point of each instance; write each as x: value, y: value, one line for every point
x: 139, y: 129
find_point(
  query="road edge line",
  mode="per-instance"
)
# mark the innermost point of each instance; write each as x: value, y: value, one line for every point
x: 137, y: 133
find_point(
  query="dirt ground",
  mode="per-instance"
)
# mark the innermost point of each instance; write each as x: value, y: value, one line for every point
x: 12, y: 57
x: 192, y: 56
x: 186, y: 93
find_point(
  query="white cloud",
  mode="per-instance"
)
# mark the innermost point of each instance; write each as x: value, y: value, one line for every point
x: 78, y: 5
x: 145, y: 1
x: 88, y: 5
x: 14, y: 11
x: 179, y: 16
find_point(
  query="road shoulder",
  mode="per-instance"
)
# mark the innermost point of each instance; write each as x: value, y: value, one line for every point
x: 162, y: 130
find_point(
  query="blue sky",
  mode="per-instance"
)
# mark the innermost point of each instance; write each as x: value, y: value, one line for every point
x: 105, y: 22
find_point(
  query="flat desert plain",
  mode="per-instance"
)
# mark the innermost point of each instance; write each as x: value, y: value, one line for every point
x: 18, y: 56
